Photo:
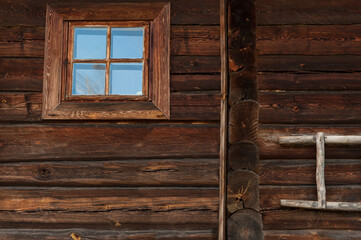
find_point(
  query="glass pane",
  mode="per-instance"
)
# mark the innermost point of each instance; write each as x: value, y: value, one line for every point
x: 88, y: 79
x: 126, y: 78
x: 90, y: 43
x: 127, y: 42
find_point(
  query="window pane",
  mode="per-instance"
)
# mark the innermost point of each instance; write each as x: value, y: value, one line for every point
x: 126, y: 78
x: 90, y: 43
x: 88, y: 79
x: 127, y: 43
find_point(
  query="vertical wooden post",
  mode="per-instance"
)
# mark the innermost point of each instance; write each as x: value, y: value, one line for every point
x: 320, y: 170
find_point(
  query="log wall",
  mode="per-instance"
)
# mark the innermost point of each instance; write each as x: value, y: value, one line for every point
x: 308, y: 55
x: 110, y: 179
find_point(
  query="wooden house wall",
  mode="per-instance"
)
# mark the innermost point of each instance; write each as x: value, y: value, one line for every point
x: 309, y: 76
x: 110, y: 179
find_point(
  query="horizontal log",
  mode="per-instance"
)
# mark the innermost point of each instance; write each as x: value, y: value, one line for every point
x: 310, y: 81
x: 168, y: 172
x: 295, y: 63
x: 194, y: 82
x: 61, y: 234
x: 329, y: 139
x: 30, y: 13
x: 20, y: 74
x: 108, y: 199
x: 195, y: 40
x: 309, y: 40
x: 270, y: 196
x: 310, y: 219
x: 330, y: 206
x: 308, y: 12
x: 118, y: 220
x: 195, y: 64
x: 302, y: 172
x: 311, y: 234
x: 117, y: 141
x: 268, y: 139
x: 185, y: 40
x: 310, y: 107
x: 190, y: 106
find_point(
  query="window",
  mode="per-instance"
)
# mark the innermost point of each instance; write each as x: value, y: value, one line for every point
x: 107, y: 61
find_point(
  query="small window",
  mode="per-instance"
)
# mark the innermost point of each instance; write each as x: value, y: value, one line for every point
x: 107, y: 61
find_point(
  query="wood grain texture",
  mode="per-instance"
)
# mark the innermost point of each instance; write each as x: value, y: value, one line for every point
x: 271, y: 149
x: 195, y: 64
x: 270, y: 196
x: 71, y: 233
x: 245, y: 224
x: 167, y: 172
x: 33, y: 13
x: 294, y: 63
x: 308, y: 12
x: 302, y: 172
x: 195, y: 40
x: 89, y: 141
x: 288, y: 219
x: 184, y: 106
x: 311, y: 234
x: 310, y: 107
x: 309, y: 40
x: 195, y: 82
x: 325, y: 81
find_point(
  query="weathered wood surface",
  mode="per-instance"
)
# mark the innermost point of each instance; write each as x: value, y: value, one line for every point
x: 270, y: 196
x: 308, y: 12
x: 196, y: 64
x: 311, y: 234
x: 309, y: 81
x: 245, y: 224
x: 299, y: 63
x: 78, y: 234
x: 310, y: 219
x: 243, y: 155
x: 305, y: 140
x: 167, y: 172
x: 302, y: 172
x: 330, y: 206
x: 122, y: 220
x: 90, y: 141
x: 30, y: 13
x: 194, y: 82
x: 192, y: 106
x: 270, y: 148
x: 309, y: 39
x: 310, y: 107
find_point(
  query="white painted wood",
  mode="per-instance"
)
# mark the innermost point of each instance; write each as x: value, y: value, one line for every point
x: 320, y: 172
x: 340, y: 206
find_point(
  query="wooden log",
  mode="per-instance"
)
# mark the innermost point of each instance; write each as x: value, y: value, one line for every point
x: 194, y: 82
x: 310, y: 81
x: 117, y: 141
x: 331, y: 139
x: 17, y: 34
x: 195, y: 40
x: 308, y: 12
x: 268, y: 139
x: 243, y: 121
x: 20, y: 106
x: 242, y: 190
x: 310, y: 107
x: 243, y: 155
x: 21, y: 199
x: 22, y: 49
x: 76, y: 234
x: 20, y: 74
x: 311, y: 234
x: 245, y: 224
x: 33, y: 14
x: 243, y: 85
x: 197, y: 64
x: 309, y: 40
x: 334, y: 206
x: 320, y: 170
x: 310, y: 219
x: 295, y: 63
x: 270, y: 196
x: 302, y: 172
x: 117, y: 220
x: 142, y: 173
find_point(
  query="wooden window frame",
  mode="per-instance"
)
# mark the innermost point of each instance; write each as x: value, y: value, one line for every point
x: 62, y: 17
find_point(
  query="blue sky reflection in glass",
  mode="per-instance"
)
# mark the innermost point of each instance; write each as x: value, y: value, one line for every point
x: 88, y: 79
x: 126, y: 78
x: 90, y: 43
x: 127, y: 42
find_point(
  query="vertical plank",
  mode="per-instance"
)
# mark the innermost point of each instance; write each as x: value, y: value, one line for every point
x: 320, y: 170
